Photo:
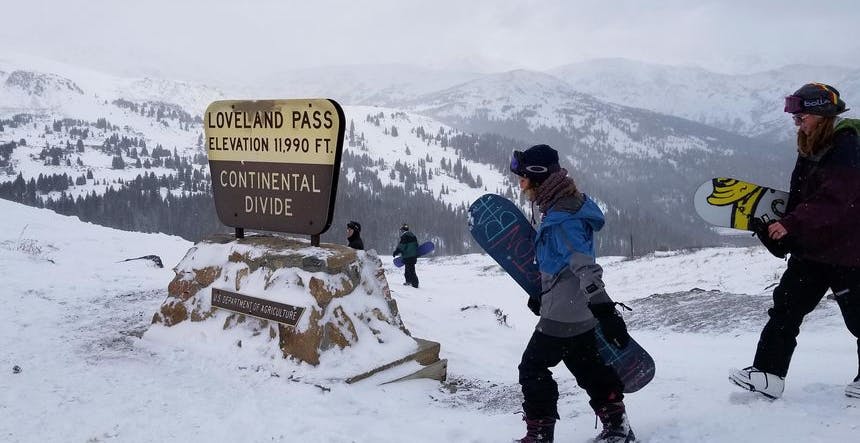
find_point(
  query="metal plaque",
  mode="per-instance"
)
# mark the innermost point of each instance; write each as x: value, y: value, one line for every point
x: 257, y: 307
x: 275, y: 163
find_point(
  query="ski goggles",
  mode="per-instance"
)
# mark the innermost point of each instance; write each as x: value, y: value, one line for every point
x: 793, y: 104
x: 519, y: 167
x: 516, y: 163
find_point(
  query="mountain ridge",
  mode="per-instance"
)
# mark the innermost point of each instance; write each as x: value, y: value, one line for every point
x: 442, y: 149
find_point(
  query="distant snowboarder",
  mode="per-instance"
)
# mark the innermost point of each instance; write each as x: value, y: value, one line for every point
x: 353, y: 235
x: 408, y: 249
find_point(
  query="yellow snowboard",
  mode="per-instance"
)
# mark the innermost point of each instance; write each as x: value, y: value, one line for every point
x: 732, y: 203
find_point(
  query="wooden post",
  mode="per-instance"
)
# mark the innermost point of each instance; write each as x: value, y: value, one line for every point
x: 631, y: 245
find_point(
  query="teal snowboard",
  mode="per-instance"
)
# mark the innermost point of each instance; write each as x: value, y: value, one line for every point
x: 506, y: 235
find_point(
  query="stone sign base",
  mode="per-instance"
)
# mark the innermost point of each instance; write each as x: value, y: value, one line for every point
x: 342, y: 300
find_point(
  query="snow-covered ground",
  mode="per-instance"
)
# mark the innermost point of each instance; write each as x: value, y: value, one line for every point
x: 73, y: 314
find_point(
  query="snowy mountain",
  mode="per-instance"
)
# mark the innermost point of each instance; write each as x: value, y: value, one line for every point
x: 77, y: 141
x: 79, y: 365
x: 749, y: 104
x: 540, y: 99
x: 29, y: 84
x: 526, y: 102
x: 641, y: 164
x: 430, y: 152
x: 378, y: 85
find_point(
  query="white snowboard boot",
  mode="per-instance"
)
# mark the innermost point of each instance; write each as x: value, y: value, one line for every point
x: 853, y: 389
x: 769, y: 385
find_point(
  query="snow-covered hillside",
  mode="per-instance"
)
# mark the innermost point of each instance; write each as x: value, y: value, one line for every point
x: 48, y: 92
x: 64, y: 119
x: 433, y: 152
x: 542, y: 101
x: 642, y: 164
x: 74, y: 314
x: 32, y: 84
x: 72, y: 146
x: 410, y: 149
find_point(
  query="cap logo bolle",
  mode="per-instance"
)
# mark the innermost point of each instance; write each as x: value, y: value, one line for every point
x: 818, y: 102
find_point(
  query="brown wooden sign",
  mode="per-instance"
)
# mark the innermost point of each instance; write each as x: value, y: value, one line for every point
x: 257, y: 307
x: 275, y: 163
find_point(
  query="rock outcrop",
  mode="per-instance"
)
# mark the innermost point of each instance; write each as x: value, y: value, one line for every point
x: 344, y: 292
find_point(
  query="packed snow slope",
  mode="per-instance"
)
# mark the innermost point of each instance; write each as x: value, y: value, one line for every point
x: 74, y: 314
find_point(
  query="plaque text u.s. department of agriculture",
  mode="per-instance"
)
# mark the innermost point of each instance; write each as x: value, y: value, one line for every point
x: 257, y: 307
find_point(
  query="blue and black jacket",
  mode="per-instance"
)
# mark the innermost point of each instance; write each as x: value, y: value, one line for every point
x: 570, y: 276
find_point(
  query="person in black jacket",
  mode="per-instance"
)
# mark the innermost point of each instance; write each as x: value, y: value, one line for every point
x: 820, y: 232
x: 408, y: 248
x: 353, y: 235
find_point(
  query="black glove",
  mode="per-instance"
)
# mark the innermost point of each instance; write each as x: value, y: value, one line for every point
x: 534, y: 305
x: 776, y: 247
x: 611, y: 323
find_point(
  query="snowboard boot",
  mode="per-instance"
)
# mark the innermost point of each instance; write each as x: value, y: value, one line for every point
x: 616, y: 427
x: 538, y: 430
x: 765, y: 383
x: 853, y: 389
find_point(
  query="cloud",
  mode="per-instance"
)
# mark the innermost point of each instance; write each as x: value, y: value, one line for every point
x: 221, y: 39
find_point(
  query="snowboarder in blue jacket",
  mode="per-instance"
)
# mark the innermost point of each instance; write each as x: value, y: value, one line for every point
x: 572, y: 304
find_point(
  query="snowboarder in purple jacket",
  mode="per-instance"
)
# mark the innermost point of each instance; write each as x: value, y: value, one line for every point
x: 819, y: 230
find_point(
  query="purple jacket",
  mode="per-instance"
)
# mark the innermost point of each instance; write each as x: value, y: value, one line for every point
x: 823, y: 211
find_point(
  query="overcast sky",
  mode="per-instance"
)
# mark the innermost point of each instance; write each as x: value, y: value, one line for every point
x: 210, y: 39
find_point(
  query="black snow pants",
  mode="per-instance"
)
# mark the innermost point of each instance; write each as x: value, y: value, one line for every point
x: 409, y: 274
x: 802, y: 286
x: 579, y: 353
